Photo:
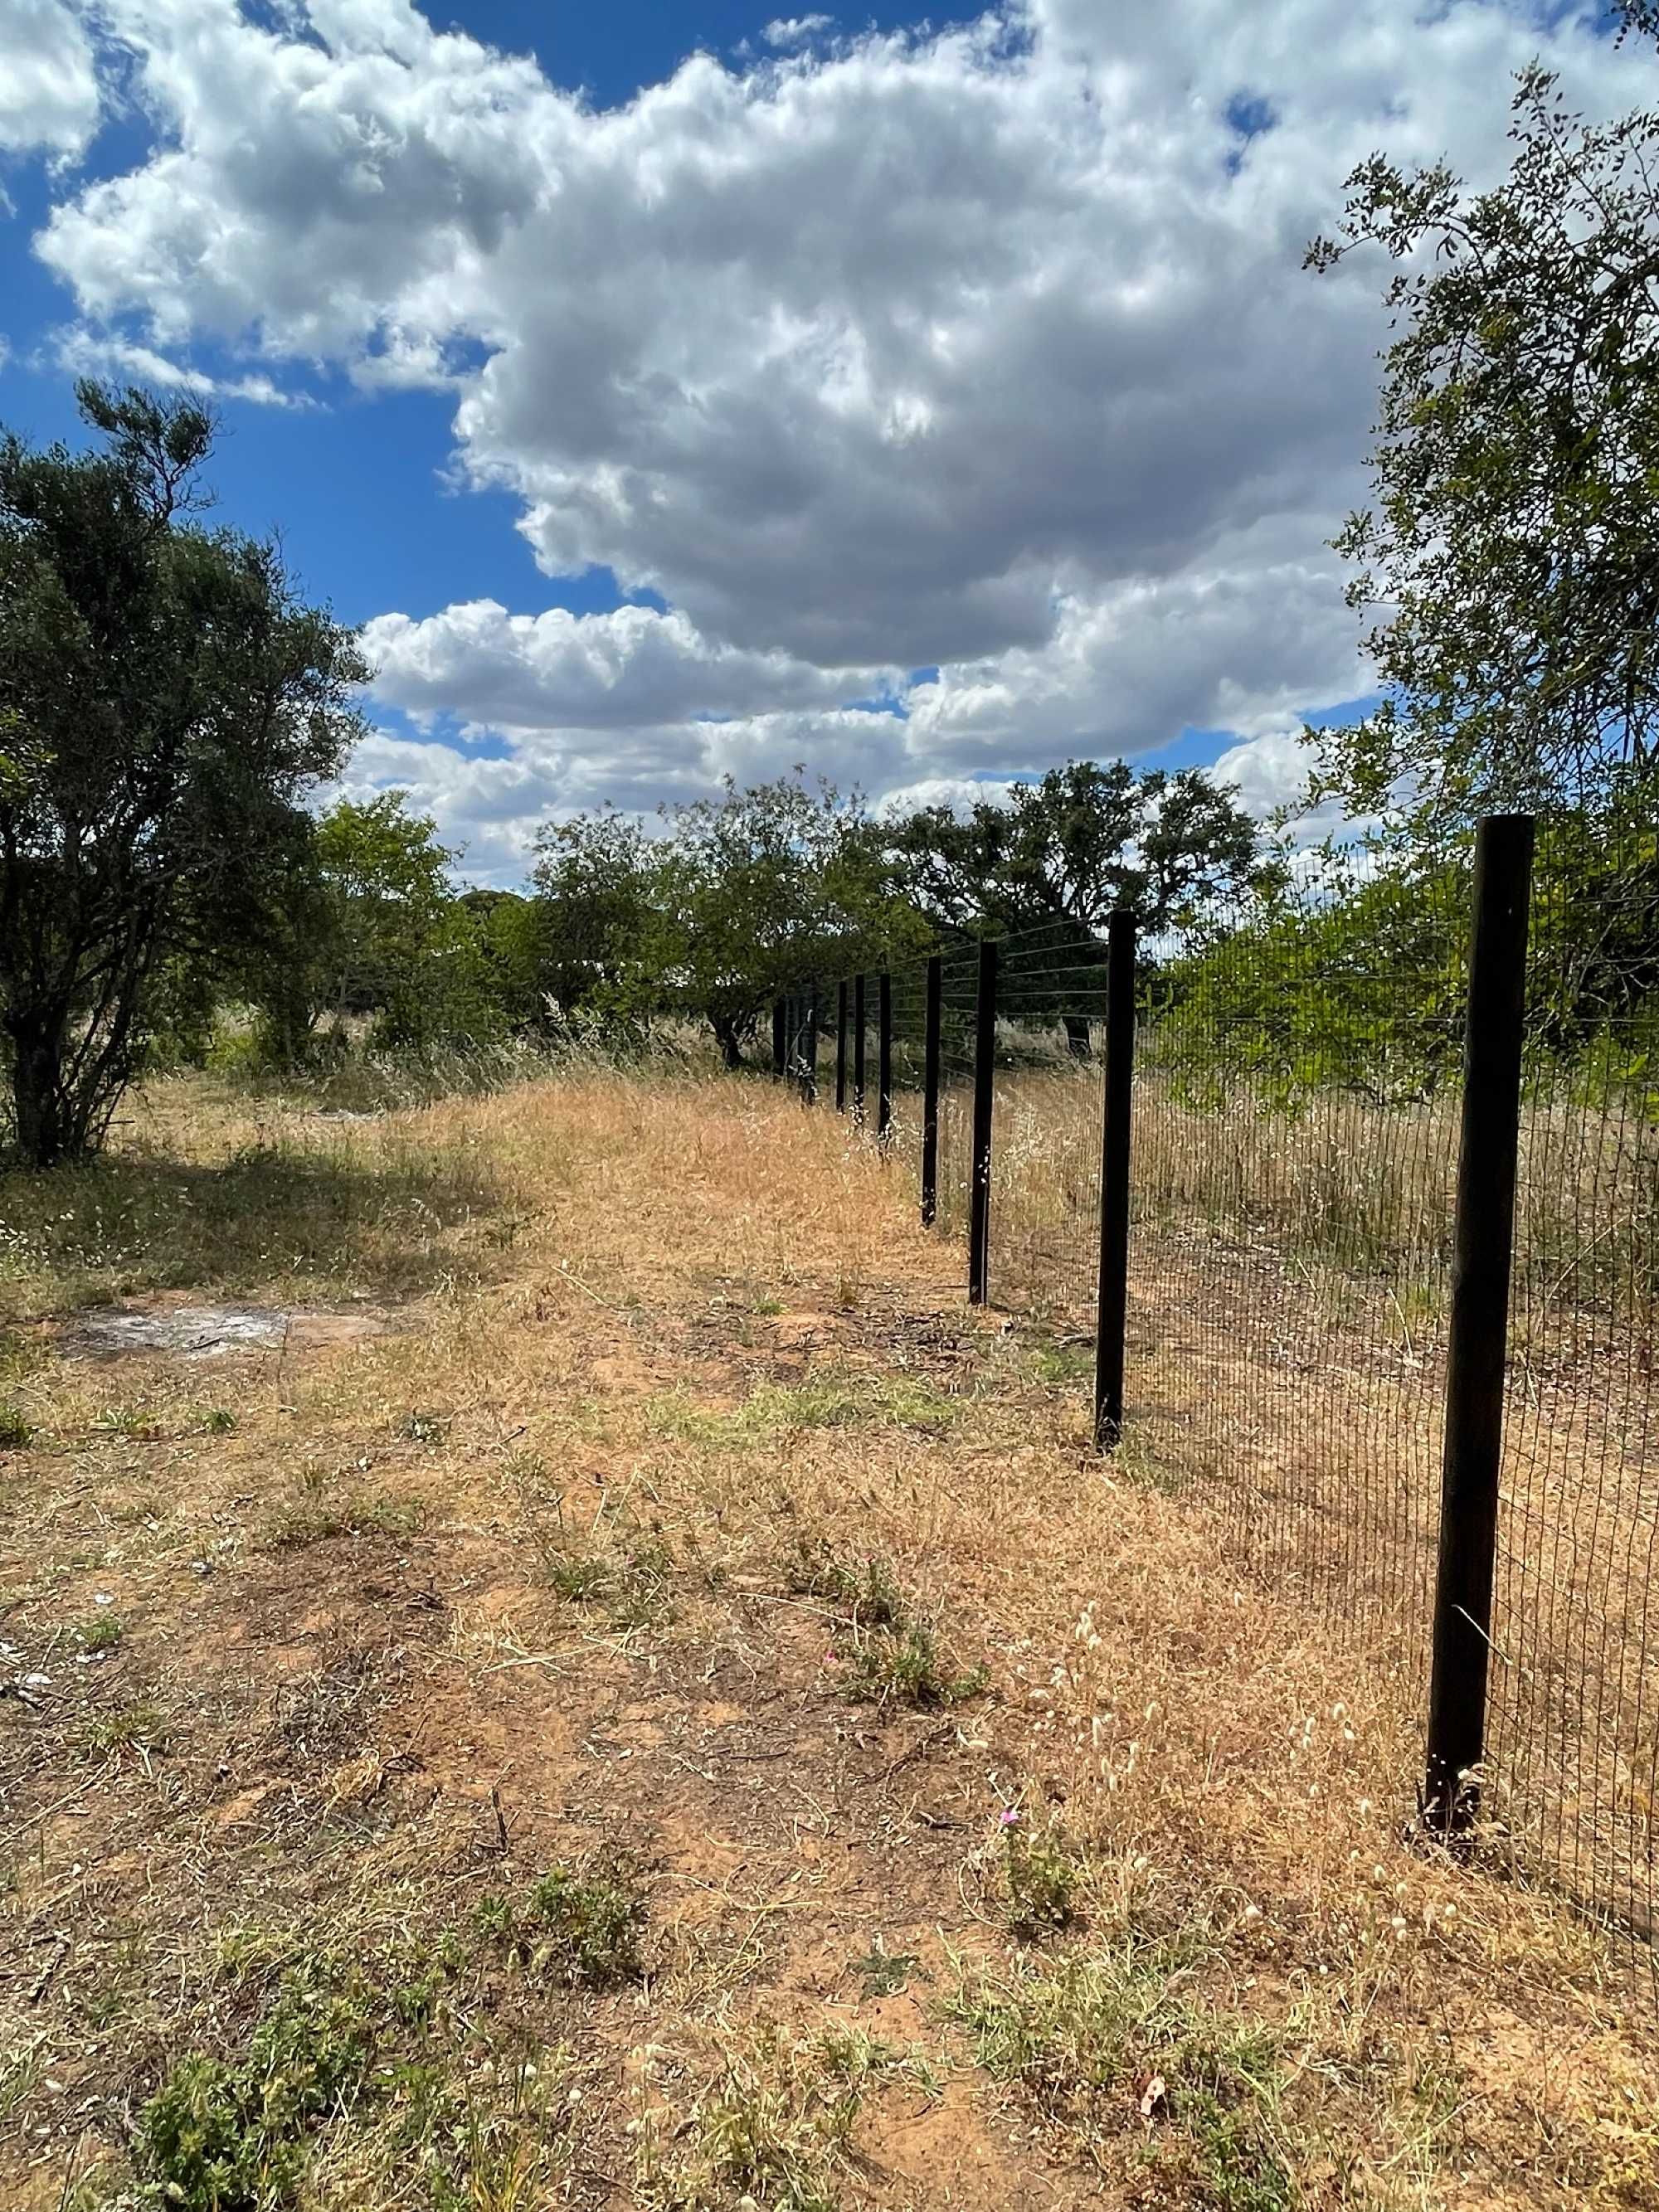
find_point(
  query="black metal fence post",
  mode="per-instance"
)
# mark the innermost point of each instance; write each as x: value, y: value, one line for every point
x: 858, y: 1048
x: 883, y: 1056
x: 779, y: 1020
x: 840, y: 1046
x: 809, y: 1081
x: 1477, y: 1340
x: 985, y: 1048
x: 930, y: 1060
x: 1112, y: 1310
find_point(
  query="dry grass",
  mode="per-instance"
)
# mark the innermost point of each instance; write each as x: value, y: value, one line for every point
x: 1289, y: 1291
x: 576, y: 1573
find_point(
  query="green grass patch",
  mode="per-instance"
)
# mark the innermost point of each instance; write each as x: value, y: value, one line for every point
x: 775, y: 2128
x: 582, y: 1929
x: 377, y: 2062
x: 884, y: 1973
x: 772, y: 1409
x: 1063, y: 1366
x: 311, y: 1520
x: 140, y: 1729
x: 633, y: 1582
x: 863, y: 1588
x: 906, y: 1666
x: 1118, y: 2055
x: 1042, y: 1873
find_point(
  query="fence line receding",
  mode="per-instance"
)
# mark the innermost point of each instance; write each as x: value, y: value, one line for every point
x: 1299, y: 1251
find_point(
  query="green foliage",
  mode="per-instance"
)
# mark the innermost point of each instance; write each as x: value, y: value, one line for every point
x: 735, y: 901
x: 633, y: 1582
x: 829, y: 1401
x: 1356, y: 987
x: 892, y: 1655
x: 14, y: 1430
x: 1061, y: 853
x: 764, y: 888
x: 376, y: 928
x: 398, y: 941
x: 884, y: 1973
x: 583, y: 1930
x: 904, y: 1665
x: 1042, y: 1873
x: 1111, y: 2045
x: 315, y: 1520
x: 232, y: 2135
x: 1512, y: 549
x: 514, y: 954
x: 776, y: 2129
x: 167, y: 701
x: 579, y: 1579
x: 415, y: 2097
x: 141, y: 1729
x: 864, y: 1589
x: 596, y: 912
x: 1079, y: 842
x: 1354, y: 978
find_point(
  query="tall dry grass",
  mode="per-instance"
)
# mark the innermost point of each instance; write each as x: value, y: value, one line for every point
x: 1290, y: 1284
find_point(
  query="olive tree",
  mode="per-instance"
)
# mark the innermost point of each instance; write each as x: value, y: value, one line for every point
x: 168, y: 701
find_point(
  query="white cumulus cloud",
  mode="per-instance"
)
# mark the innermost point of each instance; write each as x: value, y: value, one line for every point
x: 560, y: 670
x: 48, y: 78
x: 984, y: 347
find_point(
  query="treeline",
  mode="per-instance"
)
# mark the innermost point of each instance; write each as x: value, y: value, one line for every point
x: 170, y: 708
x: 706, y: 914
x: 1350, y: 969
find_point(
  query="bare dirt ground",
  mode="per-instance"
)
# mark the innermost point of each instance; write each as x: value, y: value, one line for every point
x: 675, y: 1715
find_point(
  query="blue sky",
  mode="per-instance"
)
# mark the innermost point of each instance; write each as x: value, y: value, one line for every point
x: 358, y: 487
x: 677, y: 391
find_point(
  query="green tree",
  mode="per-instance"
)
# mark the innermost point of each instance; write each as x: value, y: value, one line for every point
x: 513, y: 952
x: 372, y: 923
x: 1352, y: 981
x: 760, y: 890
x: 731, y: 903
x: 1067, y: 849
x: 596, y: 879
x: 1079, y: 841
x: 167, y: 700
x: 396, y: 941
x: 1512, y: 549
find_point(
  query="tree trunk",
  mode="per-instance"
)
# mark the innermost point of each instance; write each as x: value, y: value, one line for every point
x: 44, y: 1129
x: 1076, y: 1035
x: 725, y: 1027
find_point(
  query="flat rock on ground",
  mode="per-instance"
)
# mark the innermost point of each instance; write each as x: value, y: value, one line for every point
x: 207, y: 1332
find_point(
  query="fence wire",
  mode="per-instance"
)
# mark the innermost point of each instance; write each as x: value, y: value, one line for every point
x: 1293, y: 1181
x: 1295, y: 1140
x: 1573, y: 1736
x: 1046, y: 1121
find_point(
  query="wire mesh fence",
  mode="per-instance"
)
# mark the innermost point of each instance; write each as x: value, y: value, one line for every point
x: 1295, y: 1144
x: 1299, y: 1115
x: 1573, y: 1738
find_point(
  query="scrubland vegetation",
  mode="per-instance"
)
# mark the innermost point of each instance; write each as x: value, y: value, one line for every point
x: 670, y: 1709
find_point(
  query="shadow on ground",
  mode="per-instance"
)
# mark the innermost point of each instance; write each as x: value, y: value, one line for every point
x: 369, y: 1216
